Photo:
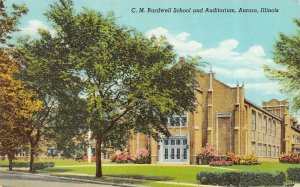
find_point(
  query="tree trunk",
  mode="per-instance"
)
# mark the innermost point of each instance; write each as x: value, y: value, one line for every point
x: 32, y: 153
x: 10, y: 160
x: 98, y: 157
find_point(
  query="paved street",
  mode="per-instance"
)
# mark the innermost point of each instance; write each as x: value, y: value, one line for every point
x: 23, y: 180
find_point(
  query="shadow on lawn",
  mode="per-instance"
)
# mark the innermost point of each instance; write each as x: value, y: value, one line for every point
x: 106, y: 179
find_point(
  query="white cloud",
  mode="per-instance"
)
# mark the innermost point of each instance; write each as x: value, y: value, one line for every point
x: 240, y: 65
x: 223, y: 52
x: 228, y: 62
x: 34, y: 26
x: 181, y: 44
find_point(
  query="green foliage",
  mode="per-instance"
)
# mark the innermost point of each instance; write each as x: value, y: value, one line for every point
x: 116, y: 79
x: 293, y: 174
x: 228, y: 178
x: 9, y: 20
x: 38, y: 165
x: 287, y: 56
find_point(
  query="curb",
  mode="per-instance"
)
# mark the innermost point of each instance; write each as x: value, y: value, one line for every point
x: 71, y: 179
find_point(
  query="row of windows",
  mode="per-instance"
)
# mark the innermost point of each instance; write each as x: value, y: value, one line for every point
x: 178, y: 120
x: 177, y: 155
x: 175, y: 142
x: 264, y: 150
x: 269, y: 131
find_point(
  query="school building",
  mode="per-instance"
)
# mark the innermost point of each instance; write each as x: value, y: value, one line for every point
x: 227, y: 120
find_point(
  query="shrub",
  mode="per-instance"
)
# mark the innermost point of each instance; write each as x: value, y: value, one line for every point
x: 208, y: 153
x: 290, y: 158
x: 123, y: 158
x: 142, y: 156
x: 37, y: 165
x: 221, y: 163
x: 249, y: 160
x: 233, y: 158
x: 294, y: 174
x: 228, y: 178
x: 218, y: 178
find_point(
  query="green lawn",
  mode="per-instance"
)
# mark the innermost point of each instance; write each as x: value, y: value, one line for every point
x: 149, y: 173
x: 153, y: 172
x: 266, y: 166
x: 174, y: 173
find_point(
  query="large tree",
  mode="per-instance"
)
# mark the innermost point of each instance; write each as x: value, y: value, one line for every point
x: 120, y: 80
x: 17, y: 104
x: 287, y: 56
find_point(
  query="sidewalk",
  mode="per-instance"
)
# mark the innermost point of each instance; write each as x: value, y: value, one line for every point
x: 73, y: 178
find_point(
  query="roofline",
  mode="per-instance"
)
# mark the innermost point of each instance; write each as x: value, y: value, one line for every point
x: 260, y: 108
x: 224, y: 84
x: 296, y: 129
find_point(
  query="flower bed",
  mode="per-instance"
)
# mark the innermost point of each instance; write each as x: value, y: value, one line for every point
x: 221, y: 163
x: 291, y: 158
x: 142, y: 156
x: 239, y: 160
x: 208, y: 153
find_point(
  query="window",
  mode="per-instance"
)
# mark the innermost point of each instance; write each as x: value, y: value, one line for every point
x: 253, y: 147
x: 259, y: 137
x: 253, y: 119
x: 269, y: 151
x: 178, y: 153
x: 178, y: 120
x: 166, y: 142
x: 277, y: 151
x: 177, y: 142
x: 259, y: 150
x: 172, y: 153
x: 265, y: 150
x: 274, y: 151
x: 184, y: 142
x: 265, y: 124
x: 259, y: 122
x: 269, y: 131
x: 166, y: 154
x: 265, y: 130
x: 253, y: 124
x: 185, y: 153
x: 172, y: 142
x: 274, y: 129
x: 278, y: 133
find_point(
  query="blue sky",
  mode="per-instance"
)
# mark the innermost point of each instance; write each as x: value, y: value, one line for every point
x: 236, y: 45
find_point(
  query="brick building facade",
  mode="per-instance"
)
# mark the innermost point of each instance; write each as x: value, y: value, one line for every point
x: 227, y: 120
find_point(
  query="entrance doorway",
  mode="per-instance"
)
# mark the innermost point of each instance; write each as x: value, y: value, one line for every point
x: 174, y: 149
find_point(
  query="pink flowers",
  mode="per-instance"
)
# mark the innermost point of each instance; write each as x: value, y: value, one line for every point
x: 142, y: 156
x: 291, y: 158
x: 209, y: 152
x: 121, y: 158
x: 221, y: 163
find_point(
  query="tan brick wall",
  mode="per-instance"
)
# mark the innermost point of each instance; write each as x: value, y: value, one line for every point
x: 207, y: 125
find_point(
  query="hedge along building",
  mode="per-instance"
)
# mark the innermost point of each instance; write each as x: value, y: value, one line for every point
x: 227, y: 120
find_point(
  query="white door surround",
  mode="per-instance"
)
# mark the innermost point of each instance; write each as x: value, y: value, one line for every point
x: 173, y: 150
